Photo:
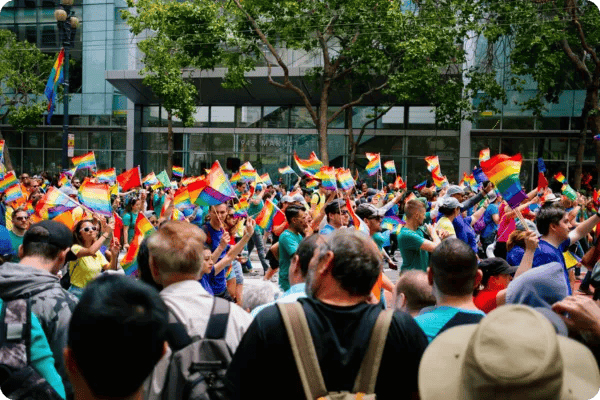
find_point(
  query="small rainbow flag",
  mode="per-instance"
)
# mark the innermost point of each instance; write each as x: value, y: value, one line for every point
x: 374, y: 164
x: 85, y: 161
x: 344, y: 177
x: 313, y: 183
x: 14, y: 194
x: 327, y: 177
x: 484, y: 155
x: 248, y: 175
x: 358, y: 223
x: 437, y: 177
x: 241, y: 209
x: 559, y: 177
x: 54, y: 203
x: 420, y: 185
x: 56, y: 77
x: 143, y: 228
x: 150, y: 179
x: 286, y: 170
x: 504, y: 171
x: 266, y: 179
x: 177, y: 171
x: 432, y: 162
x: 107, y: 176
x: 390, y: 222
x: 399, y: 183
x: 310, y: 166
x: 390, y: 167
x: 96, y: 197
x: 217, y: 190
x: 2, y: 151
x: 9, y: 180
x: 267, y: 215
x: 235, y: 177
x: 181, y: 200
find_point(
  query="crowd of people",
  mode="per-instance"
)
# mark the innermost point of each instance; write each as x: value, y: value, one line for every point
x: 490, y: 301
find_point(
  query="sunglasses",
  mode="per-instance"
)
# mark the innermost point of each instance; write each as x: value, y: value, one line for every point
x: 21, y: 218
x: 89, y: 228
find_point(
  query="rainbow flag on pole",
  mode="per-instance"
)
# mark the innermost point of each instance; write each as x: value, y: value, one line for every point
x: 390, y: 167
x: 14, y: 194
x: 374, y: 164
x: 150, y: 179
x: 235, y: 177
x: 484, y: 155
x: 286, y: 170
x: 438, y: 179
x: 85, y: 161
x: 177, y: 171
x: 432, y: 162
x: 327, y: 177
x: 344, y: 177
x: 420, y: 185
x: 9, y: 180
x: 241, y: 209
x: 107, y: 176
x: 268, y: 215
x: 504, y: 171
x: 358, y: 223
x: 54, y: 203
x: 399, y: 183
x: 217, y: 190
x: 143, y: 228
x: 560, y: 177
x: 96, y: 197
x: 310, y: 166
x: 181, y: 200
x: 56, y: 78
x: 312, y: 184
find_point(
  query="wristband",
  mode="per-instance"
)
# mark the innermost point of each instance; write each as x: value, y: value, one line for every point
x: 598, y: 214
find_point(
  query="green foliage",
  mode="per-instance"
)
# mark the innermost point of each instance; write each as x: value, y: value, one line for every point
x: 24, y: 70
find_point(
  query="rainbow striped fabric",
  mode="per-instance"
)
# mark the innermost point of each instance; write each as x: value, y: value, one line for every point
x: 374, y: 164
x: 56, y: 78
x: 241, y: 209
x: 248, y: 175
x: 150, y: 179
x: 286, y: 170
x: 181, y: 200
x: 2, y: 151
x: 420, y: 185
x: 344, y: 177
x: 54, y: 203
x: 235, y: 177
x: 143, y: 228
x: 107, y: 176
x: 218, y: 189
x: 400, y: 184
x: 310, y: 166
x: 312, y: 184
x: 484, y: 155
x: 266, y: 179
x: 437, y: 177
x: 85, y: 161
x: 267, y: 215
x: 559, y: 177
x: 9, y: 180
x: 96, y: 197
x: 327, y: 177
x: 504, y: 171
x: 358, y: 223
x: 14, y: 194
x: 177, y: 171
x: 432, y: 162
x: 390, y: 167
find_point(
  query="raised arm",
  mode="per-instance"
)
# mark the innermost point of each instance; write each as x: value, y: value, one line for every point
x: 237, y: 249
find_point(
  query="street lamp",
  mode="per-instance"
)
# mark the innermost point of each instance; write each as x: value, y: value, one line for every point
x: 67, y: 27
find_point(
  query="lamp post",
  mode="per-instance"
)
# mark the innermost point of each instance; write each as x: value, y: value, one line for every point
x: 67, y: 27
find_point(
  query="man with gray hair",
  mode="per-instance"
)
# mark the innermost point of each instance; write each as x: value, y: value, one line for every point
x: 341, y: 274
x: 413, y: 292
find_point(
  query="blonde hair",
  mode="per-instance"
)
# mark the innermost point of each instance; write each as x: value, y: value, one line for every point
x: 177, y: 247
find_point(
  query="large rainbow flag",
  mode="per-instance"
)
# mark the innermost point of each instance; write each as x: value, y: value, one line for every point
x: 310, y: 166
x: 269, y: 215
x: 181, y: 200
x: 504, y: 171
x: 96, y: 197
x: 56, y: 78
x: 327, y: 177
x: 54, y: 203
x: 107, y: 175
x: 217, y: 190
x: 143, y: 228
x: 85, y: 161
x: 374, y: 164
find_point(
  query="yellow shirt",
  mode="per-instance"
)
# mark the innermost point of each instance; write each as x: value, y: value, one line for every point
x: 88, y: 268
x: 444, y: 224
x: 317, y: 199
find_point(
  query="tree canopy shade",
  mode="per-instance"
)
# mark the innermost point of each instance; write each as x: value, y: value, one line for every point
x: 24, y: 70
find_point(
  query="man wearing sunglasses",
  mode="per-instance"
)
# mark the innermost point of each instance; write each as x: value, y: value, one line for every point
x: 337, y: 216
x: 20, y: 224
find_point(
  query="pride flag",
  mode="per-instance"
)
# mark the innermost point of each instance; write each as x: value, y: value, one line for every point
x: 596, y: 196
x: 14, y: 194
x: 177, y: 171
x: 9, y: 180
x: 559, y: 177
x: 107, y: 176
x: 400, y: 184
x: 390, y: 167
x: 235, y: 177
x: 248, y: 175
x: 568, y: 191
x: 312, y: 184
x: 195, y: 188
x: 163, y: 179
x: 56, y: 78
x: 437, y: 177
x: 327, y: 177
x: 344, y: 177
x: 85, y: 161
x: 241, y: 209
x: 286, y: 170
x: 2, y: 151
x: 143, y: 228
x: 181, y: 200
x: 358, y: 223
x: 390, y: 222
x: 432, y: 162
x: 420, y: 185
x: 266, y: 179
x: 504, y: 171
x: 267, y: 215
x: 310, y: 166
x: 218, y: 189
x: 54, y: 203
x: 130, y: 179
x: 150, y: 179
x: 374, y: 164
x: 96, y: 197
x: 484, y: 155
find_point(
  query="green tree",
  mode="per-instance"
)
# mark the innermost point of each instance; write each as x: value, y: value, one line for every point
x: 24, y: 70
x: 554, y: 44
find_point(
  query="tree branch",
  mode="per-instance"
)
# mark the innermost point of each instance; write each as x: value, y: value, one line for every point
x: 573, y: 57
x: 357, y: 101
x: 581, y: 35
x: 375, y: 118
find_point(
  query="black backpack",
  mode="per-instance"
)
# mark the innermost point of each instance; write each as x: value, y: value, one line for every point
x: 18, y: 379
x: 197, y: 367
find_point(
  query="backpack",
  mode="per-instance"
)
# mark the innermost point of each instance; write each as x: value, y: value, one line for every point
x: 18, y: 379
x: 307, y: 362
x: 197, y: 367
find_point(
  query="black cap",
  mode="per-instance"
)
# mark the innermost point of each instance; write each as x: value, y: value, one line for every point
x: 496, y: 266
x: 53, y: 233
x: 334, y: 206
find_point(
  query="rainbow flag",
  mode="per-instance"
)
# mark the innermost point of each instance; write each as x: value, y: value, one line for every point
x: 266, y: 179
x: 241, y: 209
x: 96, y: 197
x: 374, y: 164
x: 247, y: 166
x: 14, y: 194
x: 150, y: 179
x: 9, y: 180
x: 432, y: 162
x: 2, y: 152
x: 235, y: 177
x: 596, y: 196
x: 437, y: 177
x: 504, y: 171
x: 56, y: 78
x: 107, y: 176
x: 420, y: 185
x: 310, y: 166
x: 358, y: 223
x: 400, y: 184
x: 181, y: 200
x: 327, y: 177
x: 163, y: 179
x: 143, y: 228
x: 484, y: 155
x: 190, y: 179
x: 195, y: 188
x: 390, y: 222
x: 286, y: 170
x: 177, y: 215
x: 559, y: 177
x: 218, y: 189
x: 312, y: 184
x: 177, y: 171
x: 248, y: 175
x: 390, y: 167
x: 568, y: 191
x: 265, y: 217
x: 344, y: 177
x: 85, y: 161
x: 54, y: 203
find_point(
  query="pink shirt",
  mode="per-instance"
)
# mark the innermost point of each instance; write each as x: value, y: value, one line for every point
x: 506, y: 226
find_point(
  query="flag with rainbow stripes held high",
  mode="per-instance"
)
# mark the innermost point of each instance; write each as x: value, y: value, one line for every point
x: 107, y: 176
x: 266, y: 179
x: 85, y: 161
x: 312, y: 184
x: 181, y: 199
x: 240, y: 209
x: 9, y: 180
x: 150, y: 179
x: 432, y: 162
x: 218, y: 189
x: 344, y: 177
x: 96, y: 197
x: 54, y: 203
x: 484, y: 155
x: 310, y: 166
x: 286, y: 170
x: 143, y: 228
x: 177, y: 171
x: 560, y: 177
x: 374, y: 164
x: 328, y: 178
x: 14, y: 194
x: 269, y: 215
x: 390, y: 167
x: 56, y: 78
x: 421, y: 185
x: 504, y: 172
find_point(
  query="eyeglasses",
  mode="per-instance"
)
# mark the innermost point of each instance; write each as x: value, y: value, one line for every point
x: 379, y: 218
x: 22, y: 218
x: 89, y: 228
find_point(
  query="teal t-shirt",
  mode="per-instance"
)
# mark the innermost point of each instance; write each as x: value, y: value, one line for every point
x: 409, y: 244
x: 15, y: 242
x: 378, y: 239
x: 432, y: 320
x: 129, y: 221
x: 288, y: 244
x: 253, y: 211
x: 157, y: 203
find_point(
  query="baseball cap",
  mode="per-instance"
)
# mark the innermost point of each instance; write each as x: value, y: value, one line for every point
x: 286, y: 199
x: 5, y: 244
x: 334, y: 206
x: 298, y: 198
x: 450, y: 202
x: 367, y: 210
x: 454, y: 189
x: 52, y: 232
x: 513, y: 353
x: 496, y: 266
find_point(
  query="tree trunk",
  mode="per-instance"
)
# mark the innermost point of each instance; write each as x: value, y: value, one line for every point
x: 579, y: 158
x: 322, y: 126
x: 170, y: 144
x: 351, y: 142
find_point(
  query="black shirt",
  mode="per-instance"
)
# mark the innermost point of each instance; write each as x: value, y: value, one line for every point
x: 263, y: 366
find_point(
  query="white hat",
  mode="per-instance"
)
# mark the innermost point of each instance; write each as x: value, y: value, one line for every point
x: 513, y: 353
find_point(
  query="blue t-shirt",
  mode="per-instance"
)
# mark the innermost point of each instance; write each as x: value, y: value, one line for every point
x: 515, y: 255
x: 326, y: 230
x: 433, y: 319
x: 490, y: 226
x: 464, y: 231
x: 217, y: 282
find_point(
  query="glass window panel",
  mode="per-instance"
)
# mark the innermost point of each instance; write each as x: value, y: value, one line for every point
x: 304, y: 144
x: 393, y: 119
x: 276, y: 117
x: 118, y: 160
x: 336, y: 147
x: 199, y: 141
x: 300, y: 118
x: 360, y: 115
x: 526, y: 176
x: 99, y: 140
x: 53, y: 161
x: 421, y: 118
x: 118, y: 140
x: 512, y: 146
x: 12, y: 138
x: 54, y: 140
x: 151, y: 116
x: 223, y: 117
x: 15, y: 158
x: 221, y: 142
x: 482, y: 142
x: 554, y: 148
x: 81, y: 141
x: 175, y: 121
x: 340, y: 121
x: 33, y: 161
x: 552, y: 168
x: 492, y: 122
x: 421, y: 145
x: 553, y: 124
x: 158, y: 161
x: 49, y: 36
x: 386, y: 145
x: 248, y: 117
x: 416, y: 171
x: 447, y: 146
x: 103, y: 159
x: 155, y: 140
x: 100, y: 120
x: 26, y: 16
x: 201, y: 117
x: 198, y: 162
x: 33, y: 140
x: 263, y: 143
x: 7, y: 16
x: 589, y: 150
x: 517, y: 123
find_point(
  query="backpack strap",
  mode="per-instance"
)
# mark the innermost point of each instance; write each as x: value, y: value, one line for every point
x: 303, y: 349
x: 219, y: 317
x: 177, y: 335
x: 369, y: 368
x: 15, y: 331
